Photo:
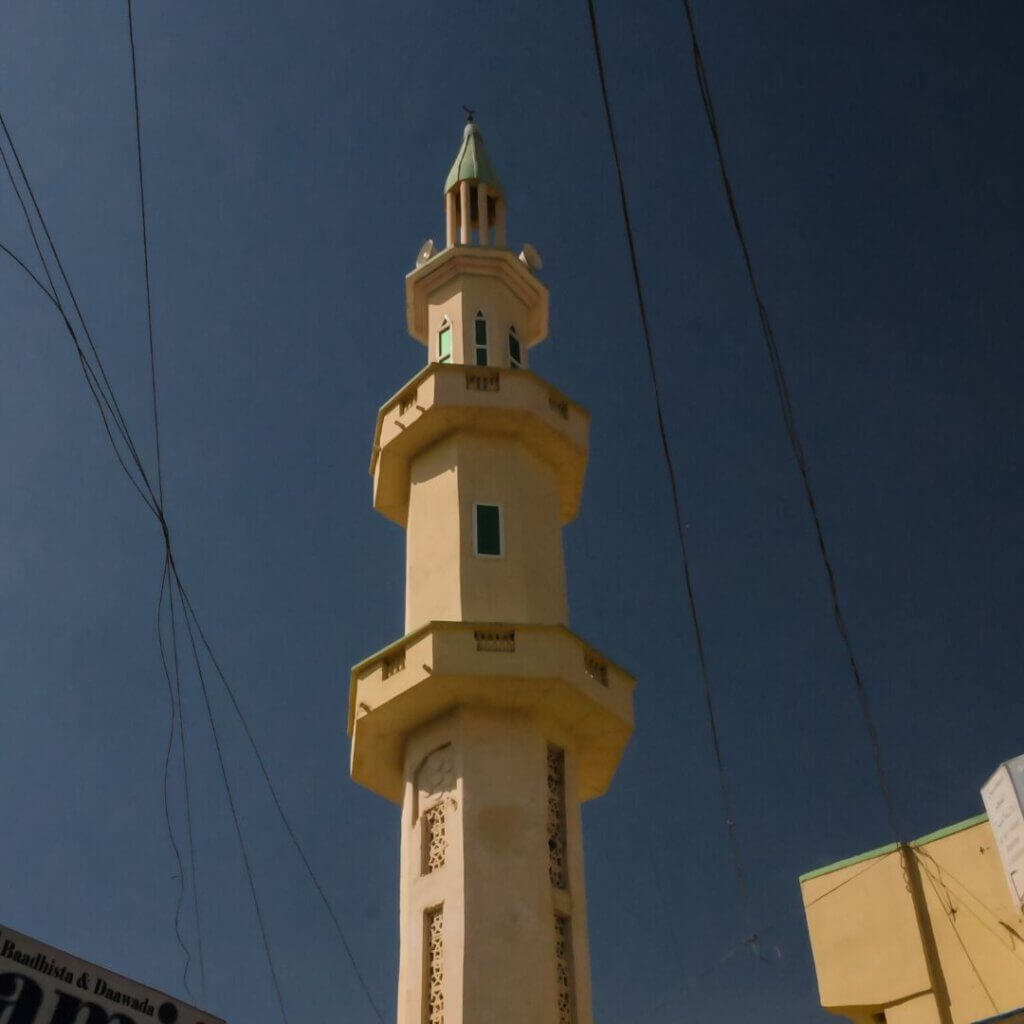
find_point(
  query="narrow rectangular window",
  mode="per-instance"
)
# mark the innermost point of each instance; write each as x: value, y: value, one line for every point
x: 564, y: 970
x: 433, y: 966
x: 481, y: 341
x: 487, y: 524
x: 435, y: 839
x: 557, y: 868
x: 515, y: 352
x: 444, y: 344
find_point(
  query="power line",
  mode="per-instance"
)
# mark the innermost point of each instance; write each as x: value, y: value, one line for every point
x: 24, y: 266
x: 100, y: 383
x: 723, y: 783
x: 951, y: 917
x: 52, y: 292
x: 145, y: 257
x: 190, y: 831
x: 106, y: 401
x: 234, y: 815
x: 106, y: 407
x: 688, y: 982
x: 789, y: 420
x: 176, y: 694
x: 846, y: 881
x: 105, y: 397
x: 965, y: 905
x: 167, y: 763
x: 190, y: 611
x: 176, y: 704
x: 157, y: 510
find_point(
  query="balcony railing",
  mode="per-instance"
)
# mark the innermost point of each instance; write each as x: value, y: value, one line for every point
x: 486, y: 380
x: 406, y: 401
x: 559, y: 405
x: 392, y: 664
x: 495, y: 640
x: 596, y: 669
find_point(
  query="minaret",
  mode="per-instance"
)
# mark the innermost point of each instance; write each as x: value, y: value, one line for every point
x: 489, y: 722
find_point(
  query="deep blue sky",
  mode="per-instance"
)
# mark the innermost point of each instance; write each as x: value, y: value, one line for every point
x: 295, y: 156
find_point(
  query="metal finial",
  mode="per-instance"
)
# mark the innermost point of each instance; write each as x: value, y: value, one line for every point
x: 469, y: 113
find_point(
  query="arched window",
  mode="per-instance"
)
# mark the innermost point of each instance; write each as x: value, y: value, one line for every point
x: 444, y: 342
x: 515, y: 350
x: 481, y: 339
x: 435, y: 786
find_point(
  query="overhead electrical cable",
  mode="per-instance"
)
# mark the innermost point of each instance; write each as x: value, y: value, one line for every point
x: 172, y: 688
x: 237, y: 823
x: 190, y: 831
x: 105, y: 404
x: 99, y: 385
x: 52, y: 291
x: 176, y: 696
x: 145, y: 257
x: 24, y: 266
x: 96, y: 376
x: 115, y: 425
x: 190, y: 612
x: 789, y: 420
x: 104, y: 400
x: 846, y: 881
x: 951, y: 917
x: 723, y: 782
x: 689, y: 981
x: 1006, y: 938
x: 99, y: 374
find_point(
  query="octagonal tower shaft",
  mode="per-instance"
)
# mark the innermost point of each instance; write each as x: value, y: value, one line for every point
x: 489, y: 721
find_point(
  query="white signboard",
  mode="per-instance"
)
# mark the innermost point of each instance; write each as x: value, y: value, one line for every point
x: 43, y: 985
x: 1003, y: 796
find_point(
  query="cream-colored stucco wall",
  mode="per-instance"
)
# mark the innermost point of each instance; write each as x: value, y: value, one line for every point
x: 433, y: 545
x: 564, y: 683
x: 493, y: 281
x: 445, y: 399
x: 498, y: 903
x: 923, y: 934
x: 459, y: 300
x: 963, y: 874
x: 843, y: 909
x: 445, y: 578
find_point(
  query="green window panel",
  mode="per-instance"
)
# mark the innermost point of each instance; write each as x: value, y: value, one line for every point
x: 515, y: 351
x: 488, y: 530
x: 481, y: 340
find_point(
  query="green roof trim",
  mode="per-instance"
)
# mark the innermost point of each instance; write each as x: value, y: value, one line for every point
x: 881, y: 851
x: 951, y: 829
x: 472, y: 162
x: 829, y: 868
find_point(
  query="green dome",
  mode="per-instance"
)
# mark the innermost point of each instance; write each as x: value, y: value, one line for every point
x: 472, y: 162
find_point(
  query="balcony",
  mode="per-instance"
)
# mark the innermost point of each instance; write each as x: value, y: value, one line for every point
x: 544, y: 671
x: 444, y: 398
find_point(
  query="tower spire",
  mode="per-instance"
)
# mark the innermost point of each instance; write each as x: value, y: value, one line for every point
x: 474, y: 196
x: 489, y: 721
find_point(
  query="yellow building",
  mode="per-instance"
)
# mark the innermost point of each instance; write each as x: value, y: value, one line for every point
x: 489, y: 722
x: 925, y: 933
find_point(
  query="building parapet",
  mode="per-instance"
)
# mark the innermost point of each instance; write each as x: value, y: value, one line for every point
x: 542, y: 670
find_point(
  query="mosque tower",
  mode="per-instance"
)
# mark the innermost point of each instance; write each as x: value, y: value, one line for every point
x: 489, y: 722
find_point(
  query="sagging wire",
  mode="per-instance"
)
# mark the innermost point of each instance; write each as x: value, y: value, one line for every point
x: 115, y: 426
x: 796, y: 444
x: 725, y: 796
